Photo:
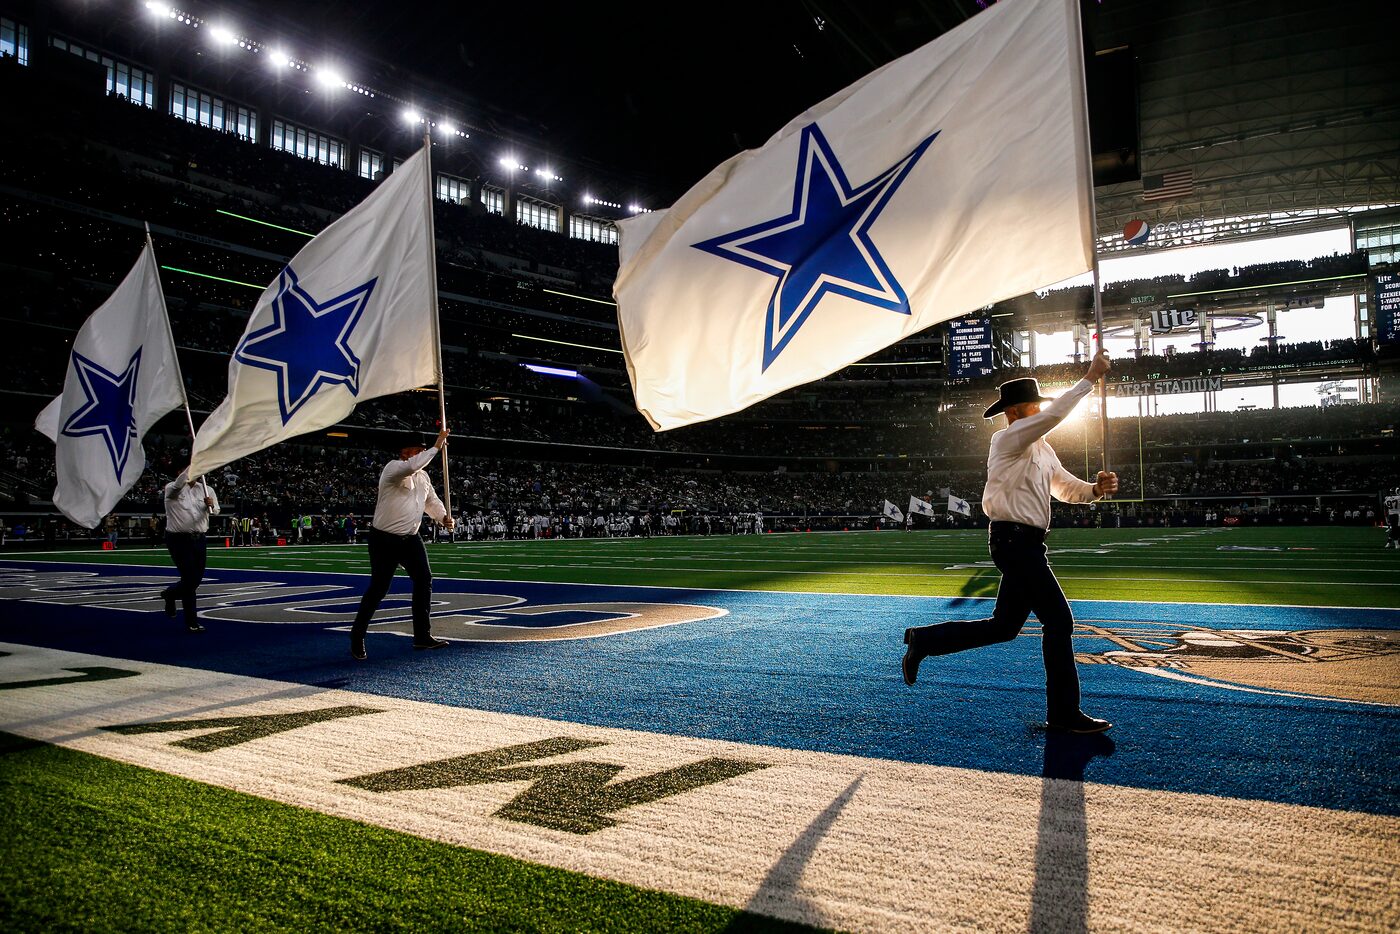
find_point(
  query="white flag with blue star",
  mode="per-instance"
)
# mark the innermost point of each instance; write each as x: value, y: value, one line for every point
x: 949, y: 179
x: 959, y: 505
x: 122, y: 377
x: 351, y: 317
x: 919, y: 507
x: 891, y: 511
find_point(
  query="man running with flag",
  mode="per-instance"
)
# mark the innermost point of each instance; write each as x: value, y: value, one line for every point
x: 1023, y: 472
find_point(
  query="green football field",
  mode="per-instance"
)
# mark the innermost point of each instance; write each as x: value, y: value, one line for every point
x: 92, y: 844
x: 1339, y: 566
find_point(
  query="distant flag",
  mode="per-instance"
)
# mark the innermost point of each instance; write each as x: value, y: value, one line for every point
x: 918, y: 507
x: 891, y: 511
x: 122, y: 376
x: 1168, y: 185
x: 352, y: 317
x: 959, y: 506
x: 897, y: 203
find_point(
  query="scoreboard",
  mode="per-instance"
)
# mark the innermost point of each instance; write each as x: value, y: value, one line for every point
x: 969, y: 347
x: 1385, y: 314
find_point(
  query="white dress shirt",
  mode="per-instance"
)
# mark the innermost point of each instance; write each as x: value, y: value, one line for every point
x: 405, y: 493
x: 1023, y: 471
x: 185, y: 511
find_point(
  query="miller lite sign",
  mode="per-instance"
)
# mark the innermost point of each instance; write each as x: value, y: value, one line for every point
x: 1169, y: 319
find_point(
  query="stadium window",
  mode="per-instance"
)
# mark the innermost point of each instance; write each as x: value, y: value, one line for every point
x: 453, y: 189
x: 213, y: 112
x: 537, y: 214
x: 493, y: 199
x: 371, y: 164
x: 14, y: 40
x: 124, y: 79
x: 307, y: 144
x: 583, y: 227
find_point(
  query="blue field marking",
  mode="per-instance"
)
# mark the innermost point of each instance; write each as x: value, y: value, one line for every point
x: 808, y: 671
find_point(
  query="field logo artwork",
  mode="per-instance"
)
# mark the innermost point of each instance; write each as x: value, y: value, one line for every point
x: 464, y: 617
x: 308, y: 342
x: 823, y: 244
x: 1358, y: 665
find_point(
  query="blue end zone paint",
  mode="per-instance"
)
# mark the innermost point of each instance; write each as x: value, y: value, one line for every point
x: 811, y: 671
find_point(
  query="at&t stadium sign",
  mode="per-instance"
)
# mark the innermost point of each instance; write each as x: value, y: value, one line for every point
x: 1167, y: 387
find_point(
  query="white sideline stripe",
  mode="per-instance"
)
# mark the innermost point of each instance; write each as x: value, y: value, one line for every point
x: 839, y: 841
x: 790, y: 593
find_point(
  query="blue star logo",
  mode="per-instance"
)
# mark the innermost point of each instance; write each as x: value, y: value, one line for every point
x: 823, y: 245
x: 108, y: 407
x: 307, y: 343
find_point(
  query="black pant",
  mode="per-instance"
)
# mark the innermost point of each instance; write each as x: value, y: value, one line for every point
x: 386, y: 554
x: 188, y: 551
x: 1027, y: 586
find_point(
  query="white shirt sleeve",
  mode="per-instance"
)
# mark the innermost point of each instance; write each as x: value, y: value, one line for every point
x: 433, y: 506
x: 1067, y: 488
x: 1020, y: 433
x: 398, y: 469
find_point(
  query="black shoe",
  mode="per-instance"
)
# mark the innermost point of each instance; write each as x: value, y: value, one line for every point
x: 1078, y: 722
x: 912, y: 656
x: 169, y: 603
x: 193, y: 626
x: 430, y: 644
x: 357, y: 649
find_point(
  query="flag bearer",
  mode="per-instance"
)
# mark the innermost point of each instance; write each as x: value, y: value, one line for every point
x: 405, y: 494
x: 188, y: 506
x: 1023, y: 472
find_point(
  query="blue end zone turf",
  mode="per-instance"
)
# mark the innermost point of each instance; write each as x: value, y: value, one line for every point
x: 811, y: 671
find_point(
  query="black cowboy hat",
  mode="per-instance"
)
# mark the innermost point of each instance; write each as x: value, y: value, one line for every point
x: 406, y: 439
x: 1014, y: 392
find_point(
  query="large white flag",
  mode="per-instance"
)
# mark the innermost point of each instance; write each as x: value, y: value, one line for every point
x: 122, y: 377
x: 960, y: 506
x: 947, y: 180
x: 918, y: 507
x: 351, y: 317
x: 891, y: 511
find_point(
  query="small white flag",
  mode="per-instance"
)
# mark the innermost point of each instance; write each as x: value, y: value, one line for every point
x: 942, y: 182
x: 351, y: 317
x: 123, y: 375
x: 918, y: 507
x: 960, y: 506
x: 892, y: 512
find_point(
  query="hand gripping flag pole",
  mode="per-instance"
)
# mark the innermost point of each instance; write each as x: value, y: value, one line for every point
x: 179, y: 376
x: 437, y: 326
x: 1093, y: 243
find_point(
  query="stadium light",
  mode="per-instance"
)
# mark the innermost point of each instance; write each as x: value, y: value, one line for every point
x: 159, y: 9
x: 278, y: 59
x: 222, y: 35
x: 329, y: 78
x: 510, y: 163
x: 447, y: 128
x: 551, y: 370
x: 412, y: 116
x: 547, y: 175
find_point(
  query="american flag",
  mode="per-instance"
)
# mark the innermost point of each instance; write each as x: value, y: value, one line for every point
x: 1167, y: 185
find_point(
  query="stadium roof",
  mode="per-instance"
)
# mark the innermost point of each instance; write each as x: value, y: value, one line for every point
x: 1272, y: 106
x: 1252, y: 108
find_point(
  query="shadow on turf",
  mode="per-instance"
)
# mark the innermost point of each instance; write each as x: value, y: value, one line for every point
x: 778, y: 887
x: 1060, y: 893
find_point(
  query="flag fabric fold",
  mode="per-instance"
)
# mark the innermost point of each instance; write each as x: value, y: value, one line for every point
x: 942, y: 182
x: 122, y: 377
x: 960, y: 506
x: 891, y: 511
x: 918, y: 507
x: 351, y: 317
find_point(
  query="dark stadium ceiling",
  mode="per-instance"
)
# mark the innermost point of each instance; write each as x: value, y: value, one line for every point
x: 1274, y: 106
